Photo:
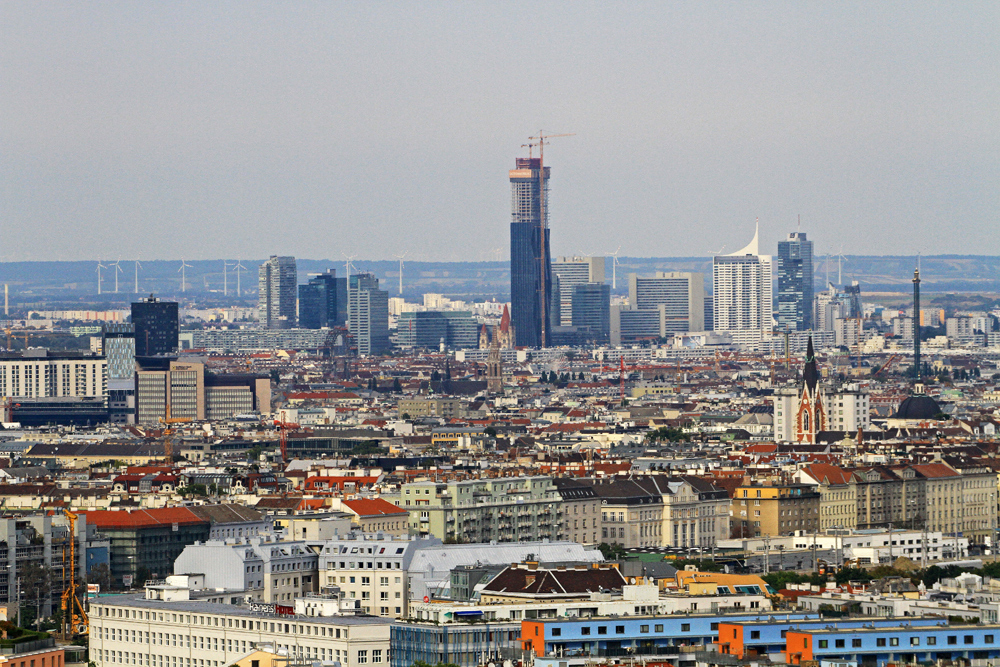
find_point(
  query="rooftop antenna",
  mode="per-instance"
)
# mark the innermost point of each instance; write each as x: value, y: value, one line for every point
x: 238, y: 268
x: 183, y: 272
x: 400, y: 258
x: 614, y: 268
x: 137, y: 265
x: 99, y: 267
x: 118, y: 269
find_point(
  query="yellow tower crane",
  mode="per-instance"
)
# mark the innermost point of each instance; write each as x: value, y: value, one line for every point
x: 72, y: 608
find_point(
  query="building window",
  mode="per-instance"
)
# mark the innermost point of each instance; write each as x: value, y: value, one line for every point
x: 362, y: 657
x: 556, y: 632
x: 855, y: 643
x: 931, y: 641
x: 823, y: 643
x: 659, y: 628
x: 619, y: 629
x: 880, y: 641
x: 755, y: 634
x: 643, y: 628
x: 585, y: 630
x: 839, y: 643
x: 914, y: 641
x: 988, y: 639
x: 685, y: 627
x: 967, y: 639
x: 377, y: 655
x: 894, y: 641
x: 602, y: 629
x: 952, y: 639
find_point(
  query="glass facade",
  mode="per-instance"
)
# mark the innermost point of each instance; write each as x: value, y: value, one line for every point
x: 368, y: 314
x: 156, y: 327
x: 429, y: 328
x: 323, y: 301
x: 118, y: 346
x: 795, y: 283
x: 530, y: 265
x: 591, y: 307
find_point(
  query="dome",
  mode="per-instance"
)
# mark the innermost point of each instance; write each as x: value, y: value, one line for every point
x: 920, y: 406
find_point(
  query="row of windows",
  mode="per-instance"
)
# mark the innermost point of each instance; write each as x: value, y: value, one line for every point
x: 620, y: 629
x: 894, y: 641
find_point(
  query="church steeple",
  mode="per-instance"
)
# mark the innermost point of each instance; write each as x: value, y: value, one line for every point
x: 809, y: 372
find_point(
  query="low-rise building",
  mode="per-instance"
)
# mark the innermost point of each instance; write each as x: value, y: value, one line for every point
x: 132, y: 630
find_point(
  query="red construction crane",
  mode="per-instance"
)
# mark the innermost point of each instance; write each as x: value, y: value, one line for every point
x: 283, y: 428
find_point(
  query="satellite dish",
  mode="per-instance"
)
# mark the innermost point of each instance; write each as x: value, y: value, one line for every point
x: 633, y: 580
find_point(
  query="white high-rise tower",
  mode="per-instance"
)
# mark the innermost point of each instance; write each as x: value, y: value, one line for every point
x: 742, y: 298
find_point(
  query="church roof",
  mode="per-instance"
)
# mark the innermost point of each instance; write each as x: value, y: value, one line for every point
x: 918, y: 406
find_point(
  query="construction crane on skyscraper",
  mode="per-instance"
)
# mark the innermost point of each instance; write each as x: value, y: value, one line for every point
x: 543, y: 260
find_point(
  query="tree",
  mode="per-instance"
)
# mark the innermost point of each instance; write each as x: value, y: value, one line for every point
x: 193, y: 490
x: 397, y: 388
x: 100, y: 574
x: 490, y: 431
x: 435, y: 376
x: 254, y: 454
x: 613, y: 551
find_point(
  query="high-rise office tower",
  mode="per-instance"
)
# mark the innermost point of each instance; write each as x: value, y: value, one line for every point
x: 368, y: 314
x: 679, y: 296
x: 590, y: 306
x: 530, y: 265
x: 156, y: 326
x: 276, y: 292
x: 323, y: 301
x: 573, y: 271
x: 795, y: 283
x: 118, y: 347
x: 742, y: 294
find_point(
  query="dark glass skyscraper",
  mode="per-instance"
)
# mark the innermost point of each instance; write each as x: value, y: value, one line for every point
x: 323, y: 301
x: 156, y: 327
x: 795, y: 283
x: 530, y: 264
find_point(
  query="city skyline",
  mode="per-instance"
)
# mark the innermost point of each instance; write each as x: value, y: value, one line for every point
x: 185, y: 129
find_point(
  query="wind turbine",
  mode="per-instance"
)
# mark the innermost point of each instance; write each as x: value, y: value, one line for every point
x: 137, y: 265
x: 347, y: 268
x: 99, y: 267
x: 225, y: 277
x: 840, y: 275
x: 238, y: 268
x: 400, y: 258
x: 183, y: 273
x: 118, y: 269
x: 614, y: 268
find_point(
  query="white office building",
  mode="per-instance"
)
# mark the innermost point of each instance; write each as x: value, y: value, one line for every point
x: 133, y: 630
x: 572, y: 271
x: 742, y: 299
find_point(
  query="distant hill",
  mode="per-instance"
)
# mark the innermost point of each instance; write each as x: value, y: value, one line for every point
x: 69, y: 283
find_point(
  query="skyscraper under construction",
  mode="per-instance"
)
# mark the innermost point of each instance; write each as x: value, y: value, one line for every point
x: 530, y: 265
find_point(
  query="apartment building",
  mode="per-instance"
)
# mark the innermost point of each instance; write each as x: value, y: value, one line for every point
x: 269, y: 571
x: 581, y: 510
x: 506, y: 509
x: 372, y: 568
x: 133, y: 630
x: 775, y: 510
x: 838, y: 502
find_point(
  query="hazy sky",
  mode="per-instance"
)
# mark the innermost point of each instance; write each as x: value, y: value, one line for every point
x: 215, y: 129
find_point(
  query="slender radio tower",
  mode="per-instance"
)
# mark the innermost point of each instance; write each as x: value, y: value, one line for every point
x: 916, y: 322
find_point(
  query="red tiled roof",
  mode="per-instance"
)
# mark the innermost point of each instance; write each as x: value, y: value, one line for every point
x: 935, y: 470
x: 821, y: 471
x: 142, y: 518
x: 372, y: 507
